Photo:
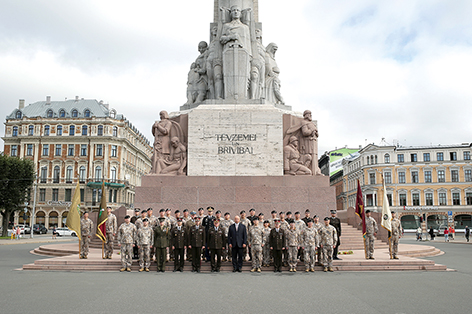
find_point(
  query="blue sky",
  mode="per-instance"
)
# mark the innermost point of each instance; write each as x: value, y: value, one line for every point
x: 367, y: 69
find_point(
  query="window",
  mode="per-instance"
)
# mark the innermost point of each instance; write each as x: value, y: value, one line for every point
x: 113, y: 151
x: 387, y: 158
x: 87, y: 113
x: 453, y: 155
x: 15, y: 131
x: 18, y: 114
x: 440, y: 156
x: 110, y: 196
x: 372, y: 178
x: 29, y: 150
x: 113, y: 114
x: 75, y: 113
x: 466, y: 155
x: 70, y: 150
x: 99, y: 150
x: 82, y: 195
x: 442, y: 198
x: 402, y: 199
x: 468, y: 197
x: 115, y: 193
x: 368, y: 158
x: 427, y: 176
x: 400, y: 158
x: 456, y: 198
x: 416, y: 199
x: 82, y: 174
x: 414, y: 157
x: 468, y: 175
x: 113, y: 174
x: 49, y: 113
x: 46, y: 130
x: 31, y: 130
x: 98, y: 173
x: 57, y: 173
x: 401, y: 177
x: 414, y: 177
x: 68, y: 195
x: 44, y: 174
x: 100, y: 130
x: 429, y: 199
x: 45, y: 149
x: 115, y: 131
x: 455, y: 175
x: 14, y: 151
x: 84, y: 130
x: 389, y: 197
x: 83, y: 150
x: 69, y: 174
x: 59, y: 130
x: 72, y: 130
x: 375, y: 159
x: 441, y: 176
x: 55, y: 194
x: 388, y: 177
x: 58, y: 149
x: 42, y: 195
x: 62, y: 113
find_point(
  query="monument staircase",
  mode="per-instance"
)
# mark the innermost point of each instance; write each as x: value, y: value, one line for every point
x: 351, y: 239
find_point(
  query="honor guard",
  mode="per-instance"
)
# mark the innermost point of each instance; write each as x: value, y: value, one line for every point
x: 86, y: 228
x: 111, y: 228
x: 371, y: 230
x: 395, y: 236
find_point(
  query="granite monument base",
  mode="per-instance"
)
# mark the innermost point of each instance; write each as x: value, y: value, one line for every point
x: 235, y: 193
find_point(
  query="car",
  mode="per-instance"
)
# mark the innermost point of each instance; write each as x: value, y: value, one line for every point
x: 39, y: 229
x: 65, y: 232
x: 22, y: 228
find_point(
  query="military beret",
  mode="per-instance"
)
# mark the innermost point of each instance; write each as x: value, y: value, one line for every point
x: 201, y: 208
x: 126, y: 217
x: 149, y: 209
x: 273, y: 212
x: 282, y: 213
x: 367, y: 211
x: 86, y: 212
x: 145, y: 219
x: 297, y: 213
x: 260, y: 214
x: 177, y: 211
x: 252, y: 210
x: 143, y: 211
x: 266, y: 222
x: 210, y: 209
x: 242, y: 212
x: 185, y: 210
x: 168, y: 210
x: 218, y: 212
x: 161, y: 219
x: 291, y: 221
x: 193, y: 213
x: 307, y: 211
x: 392, y: 212
x: 227, y: 214
x: 289, y: 213
x: 326, y: 218
x: 309, y: 220
x: 162, y: 210
x: 333, y: 212
x: 137, y: 209
x: 315, y: 216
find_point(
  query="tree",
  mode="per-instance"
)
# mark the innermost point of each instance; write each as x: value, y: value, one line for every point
x: 16, y: 179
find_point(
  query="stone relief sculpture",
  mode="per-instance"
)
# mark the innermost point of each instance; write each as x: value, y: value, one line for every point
x: 272, y: 78
x: 192, y: 80
x: 294, y: 163
x: 169, y: 155
x: 257, y: 87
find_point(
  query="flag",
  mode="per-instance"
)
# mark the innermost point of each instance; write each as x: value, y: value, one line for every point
x: 360, y: 206
x: 386, y: 214
x: 102, y: 216
x: 73, y: 217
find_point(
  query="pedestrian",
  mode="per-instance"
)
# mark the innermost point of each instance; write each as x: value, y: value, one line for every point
x: 18, y: 232
x: 446, y: 235
x: 431, y: 233
x: 54, y: 233
x: 419, y: 233
x: 467, y: 233
x: 452, y: 233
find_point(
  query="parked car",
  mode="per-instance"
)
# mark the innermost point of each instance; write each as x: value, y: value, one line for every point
x: 39, y: 229
x: 65, y: 232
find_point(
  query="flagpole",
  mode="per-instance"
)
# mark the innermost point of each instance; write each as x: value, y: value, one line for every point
x: 79, y: 248
x: 103, y: 256
x: 365, y: 248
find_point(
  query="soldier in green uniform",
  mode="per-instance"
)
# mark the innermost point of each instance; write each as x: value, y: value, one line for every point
x: 178, y: 242
x: 277, y: 245
x: 216, y: 241
x: 86, y: 227
x: 336, y: 223
x: 196, y: 242
x: 188, y: 225
x: 126, y: 241
x: 396, y: 234
x: 161, y: 242
x: 328, y: 240
x: 145, y: 241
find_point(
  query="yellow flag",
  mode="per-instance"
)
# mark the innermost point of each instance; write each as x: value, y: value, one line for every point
x: 73, y: 217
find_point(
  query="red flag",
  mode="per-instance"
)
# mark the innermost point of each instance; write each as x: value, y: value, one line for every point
x: 360, y: 206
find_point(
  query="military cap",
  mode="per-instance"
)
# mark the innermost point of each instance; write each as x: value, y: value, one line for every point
x: 149, y: 209
x: 126, y: 217
x: 333, y: 211
x: 218, y: 212
x: 266, y: 222
x: 162, y: 210
x: 260, y: 214
x: 297, y: 213
x: 309, y: 220
x: 242, y: 212
x: 185, y: 210
x: 161, y: 219
x: 137, y: 209
x: 193, y: 213
x: 307, y: 211
x: 392, y: 212
x: 227, y: 214
x: 143, y: 211
x: 201, y: 208
x: 145, y: 219
x: 210, y: 209
x: 367, y: 211
x: 282, y: 213
x: 291, y: 221
x: 177, y: 211
x: 289, y: 213
x: 168, y: 210
x: 273, y: 212
x: 326, y: 218
x: 315, y: 216
x: 252, y: 210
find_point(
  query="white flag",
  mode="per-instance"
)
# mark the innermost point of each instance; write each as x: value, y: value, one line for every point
x: 386, y: 214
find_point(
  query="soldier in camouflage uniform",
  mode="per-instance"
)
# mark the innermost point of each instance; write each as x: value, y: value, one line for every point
x: 161, y: 242
x: 292, y: 237
x: 111, y: 229
x: 139, y: 222
x: 396, y: 234
x: 272, y: 219
x: 126, y: 239
x: 145, y: 241
x: 284, y: 224
x: 172, y: 222
x: 309, y: 239
x: 86, y: 228
x: 266, y: 247
x: 196, y: 241
x: 300, y: 226
x: 328, y: 239
x: 152, y: 223
x: 186, y: 217
x: 371, y: 230
x: 255, y: 239
x: 317, y: 225
x: 225, y: 225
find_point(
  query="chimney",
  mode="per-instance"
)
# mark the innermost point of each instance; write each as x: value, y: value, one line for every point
x: 48, y: 100
x: 76, y: 98
x: 22, y: 104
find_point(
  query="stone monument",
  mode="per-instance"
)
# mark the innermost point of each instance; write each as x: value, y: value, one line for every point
x: 235, y: 144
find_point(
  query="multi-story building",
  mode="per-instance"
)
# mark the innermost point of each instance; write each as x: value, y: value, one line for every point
x: 424, y: 183
x: 79, y: 139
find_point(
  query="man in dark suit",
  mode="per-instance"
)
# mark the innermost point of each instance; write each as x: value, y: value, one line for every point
x: 237, y: 240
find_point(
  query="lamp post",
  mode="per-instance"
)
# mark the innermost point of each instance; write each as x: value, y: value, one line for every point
x: 34, y: 209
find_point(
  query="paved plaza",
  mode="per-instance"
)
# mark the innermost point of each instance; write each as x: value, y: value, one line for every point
x: 338, y: 292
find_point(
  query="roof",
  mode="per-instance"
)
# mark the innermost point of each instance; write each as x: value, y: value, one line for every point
x: 41, y: 108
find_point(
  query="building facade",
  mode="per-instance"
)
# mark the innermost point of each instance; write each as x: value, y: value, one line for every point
x: 431, y: 184
x: 72, y: 140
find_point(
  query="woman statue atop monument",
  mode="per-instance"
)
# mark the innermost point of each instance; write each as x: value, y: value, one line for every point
x: 272, y: 77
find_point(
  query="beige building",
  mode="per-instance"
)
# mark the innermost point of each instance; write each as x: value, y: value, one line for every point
x: 80, y: 139
x: 424, y: 183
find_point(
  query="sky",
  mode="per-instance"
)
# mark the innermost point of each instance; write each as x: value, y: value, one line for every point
x: 367, y: 69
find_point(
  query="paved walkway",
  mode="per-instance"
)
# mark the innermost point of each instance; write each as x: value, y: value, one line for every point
x: 36, y: 239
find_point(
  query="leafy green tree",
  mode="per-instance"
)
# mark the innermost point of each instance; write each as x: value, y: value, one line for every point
x: 16, y: 179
